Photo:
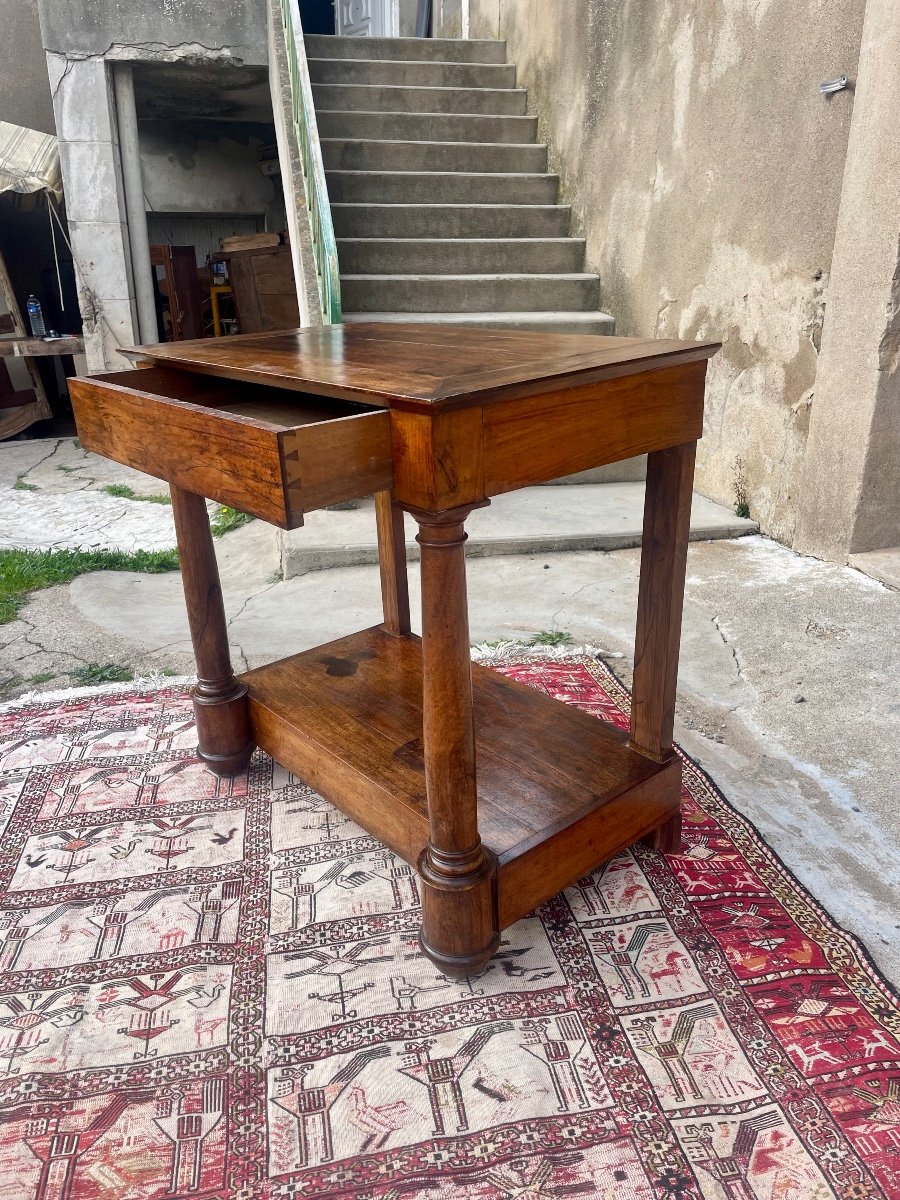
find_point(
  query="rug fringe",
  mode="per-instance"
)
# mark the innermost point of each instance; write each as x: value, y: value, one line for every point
x: 488, y: 652
x: 144, y: 683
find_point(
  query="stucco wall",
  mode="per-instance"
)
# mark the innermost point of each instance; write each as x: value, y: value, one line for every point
x: 207, y: 167
x: 705, y: 171
x: 24, y: 87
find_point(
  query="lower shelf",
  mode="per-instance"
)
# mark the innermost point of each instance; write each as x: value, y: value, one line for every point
x: 558, y: 790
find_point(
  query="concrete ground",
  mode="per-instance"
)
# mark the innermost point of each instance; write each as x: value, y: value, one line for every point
x: 789, y: 692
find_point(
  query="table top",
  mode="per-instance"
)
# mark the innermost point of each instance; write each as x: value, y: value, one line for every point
x: 422, y: 366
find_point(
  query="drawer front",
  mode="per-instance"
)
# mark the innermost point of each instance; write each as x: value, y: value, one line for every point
x: 227, y: 458
x: 255, y: 465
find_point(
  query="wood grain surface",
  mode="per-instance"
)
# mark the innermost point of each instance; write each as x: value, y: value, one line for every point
x: 347, y: 719
x: 423, y: 366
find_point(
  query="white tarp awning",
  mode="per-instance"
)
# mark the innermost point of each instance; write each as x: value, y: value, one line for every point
x: 29, y: 161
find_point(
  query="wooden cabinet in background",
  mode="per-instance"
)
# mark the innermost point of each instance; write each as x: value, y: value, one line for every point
x: 179, y: 310
x: 265, y: 296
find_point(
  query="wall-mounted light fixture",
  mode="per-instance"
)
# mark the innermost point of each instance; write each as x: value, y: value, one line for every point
x: 830, y: 86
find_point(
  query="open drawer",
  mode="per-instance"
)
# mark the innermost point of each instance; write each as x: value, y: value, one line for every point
x: 267, y: 451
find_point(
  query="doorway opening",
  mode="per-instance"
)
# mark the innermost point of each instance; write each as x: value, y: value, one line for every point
x: 317, y: 16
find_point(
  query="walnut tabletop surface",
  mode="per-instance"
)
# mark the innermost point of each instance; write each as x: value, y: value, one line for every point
x: 422, y: 366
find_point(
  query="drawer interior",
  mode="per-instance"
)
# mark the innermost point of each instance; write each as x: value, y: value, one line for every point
x: 270, y: 451
x: 275, y: 408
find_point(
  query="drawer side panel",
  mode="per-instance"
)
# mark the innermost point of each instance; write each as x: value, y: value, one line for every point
x: 210, y: 453
x: 537, y: 438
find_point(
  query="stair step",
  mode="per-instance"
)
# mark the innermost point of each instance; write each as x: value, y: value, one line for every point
x: 547, y: 322
x: 408, y: 49
x: 535, y: 520
x: 422, y: 187
x: 412, y: 73
x: 381, y: 155
x: 469, y: 293
x: 459, y: 256
x: 426, y: 127
x: 363, y: 97
x: 450, y: 220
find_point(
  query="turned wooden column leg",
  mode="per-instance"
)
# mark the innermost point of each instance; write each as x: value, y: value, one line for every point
x: 392, y: 562
x: 667, y: 522
x: 220, y: 702
x: 459, y: 907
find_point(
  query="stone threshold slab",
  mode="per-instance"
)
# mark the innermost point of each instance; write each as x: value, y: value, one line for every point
x: 883, y: 565
x: 537, y: 520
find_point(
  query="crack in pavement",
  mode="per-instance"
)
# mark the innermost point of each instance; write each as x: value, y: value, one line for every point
x: 261, y: 592
x: 41, y: 461
x: 592, y: 583
x: 734, y: 654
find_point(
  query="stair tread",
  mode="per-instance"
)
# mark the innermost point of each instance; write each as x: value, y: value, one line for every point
x: 416, y: 87
x: 402, y: 113
x: 494, y: 276
x: 402, y: 62
x: 455, y: 174
x: 457, y: 241
x: 361, y: 141
x: 438, y: 204
x: 548, y: 316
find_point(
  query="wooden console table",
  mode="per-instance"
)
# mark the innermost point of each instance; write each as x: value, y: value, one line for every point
x: 499, y: 795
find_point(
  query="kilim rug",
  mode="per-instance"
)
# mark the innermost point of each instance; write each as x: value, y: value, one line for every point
x: 213, y: 989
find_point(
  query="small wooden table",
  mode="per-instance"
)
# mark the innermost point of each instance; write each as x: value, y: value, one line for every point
x: 499, y: 795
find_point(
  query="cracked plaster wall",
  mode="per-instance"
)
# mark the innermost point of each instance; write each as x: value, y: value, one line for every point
x: 82, y: 38
x: 234, y: 29
x: 704, y: 169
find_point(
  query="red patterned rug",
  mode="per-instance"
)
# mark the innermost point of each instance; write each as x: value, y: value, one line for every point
x: 214, y: 990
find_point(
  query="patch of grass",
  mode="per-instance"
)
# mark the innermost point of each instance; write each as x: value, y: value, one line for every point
x: 108, y: 673
x: 76, y: 443
x: 169, y: 672
x: 551, y: 637
x: 123, y: 491
x: 225, y: 519
x: 41, y: 677
x: 24, y: 571
x: 21, y: 486
x: 68, y: 470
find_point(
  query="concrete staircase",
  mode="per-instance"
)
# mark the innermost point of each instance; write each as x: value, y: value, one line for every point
x: 442, y: 203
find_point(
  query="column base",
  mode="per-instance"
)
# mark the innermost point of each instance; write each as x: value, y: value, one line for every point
x: 225, y: 743
x: 459, y: 917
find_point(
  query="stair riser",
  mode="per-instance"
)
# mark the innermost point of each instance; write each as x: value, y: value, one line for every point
x: 450, y: 221
x: 413, y: 74
x: 398, y: 257
x: 379, y: 293
x: 432, y: 156
x: 408, y: 49
x: 460, y: 188
x: 559, y: 322
x: 359, y: 98
x: 426, y: 127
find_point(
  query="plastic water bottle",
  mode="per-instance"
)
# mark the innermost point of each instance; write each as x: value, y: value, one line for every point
x: 36, y: 317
